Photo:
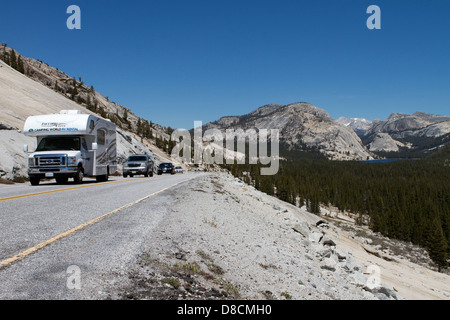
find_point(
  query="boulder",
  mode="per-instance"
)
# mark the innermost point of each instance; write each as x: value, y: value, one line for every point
x: 315, y: 236
x: 328, y: 264
x: 340, y: 254
x: 327, y: 241
x: 302, y: 228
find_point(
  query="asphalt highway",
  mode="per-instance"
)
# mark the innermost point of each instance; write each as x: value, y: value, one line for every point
x: 58, y: 241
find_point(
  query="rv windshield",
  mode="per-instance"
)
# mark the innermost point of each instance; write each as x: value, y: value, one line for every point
x: 59, y: 143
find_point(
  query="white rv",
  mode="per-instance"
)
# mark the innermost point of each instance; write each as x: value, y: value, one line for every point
x: 71, y: 145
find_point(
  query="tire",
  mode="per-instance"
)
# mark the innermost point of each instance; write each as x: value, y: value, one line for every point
x: 125, y: 175
x: 34, y: 181
x: 103, y: 178
x: 79, y: 176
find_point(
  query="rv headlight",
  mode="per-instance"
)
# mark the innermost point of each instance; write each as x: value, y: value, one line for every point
x: 71, y: 161
x: 31, y: 162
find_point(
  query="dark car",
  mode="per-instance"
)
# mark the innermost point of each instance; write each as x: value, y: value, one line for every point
x: 140, y: 164
x: 166, y: 167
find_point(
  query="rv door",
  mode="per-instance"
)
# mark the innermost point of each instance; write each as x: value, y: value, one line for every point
x: 88, y: 158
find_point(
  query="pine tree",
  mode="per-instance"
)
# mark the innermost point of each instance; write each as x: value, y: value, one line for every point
x: 437, y: 245
x: 6, y: 59
x: 151, y: 130
x: 13, y: 60
x: 20, y: 66
x: 125, y: 115
x: 139, y: 127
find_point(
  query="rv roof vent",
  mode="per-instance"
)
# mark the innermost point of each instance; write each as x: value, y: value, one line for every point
x: 70, y: 112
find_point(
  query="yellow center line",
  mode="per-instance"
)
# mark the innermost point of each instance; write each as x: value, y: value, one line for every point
x: 60, y: 236
x: 62, y: 190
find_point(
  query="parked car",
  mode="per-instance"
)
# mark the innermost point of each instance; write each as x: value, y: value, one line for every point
x: 166, y: 167
x: 178, y: 169
x: 140, y: 164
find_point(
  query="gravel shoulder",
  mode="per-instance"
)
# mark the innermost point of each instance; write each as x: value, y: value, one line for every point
x: 222, y: 239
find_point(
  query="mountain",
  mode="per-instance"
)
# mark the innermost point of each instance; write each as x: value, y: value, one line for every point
x: 359, y: 125
x: 408, y: 134
x: 302, y: 126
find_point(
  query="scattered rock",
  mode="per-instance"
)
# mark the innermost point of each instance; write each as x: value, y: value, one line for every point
x: 5, y: 126
x: 340, y: 254
x: 180, y: 255
x: 302, y: 228
x: 382, y: 293
x: 315, y: 236
x: 377, y: 253
x: 328, y: 264
x: 322, y: 224
x: 327, y: 241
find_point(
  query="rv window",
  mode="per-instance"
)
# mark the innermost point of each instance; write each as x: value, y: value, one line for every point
x: 101, y: 137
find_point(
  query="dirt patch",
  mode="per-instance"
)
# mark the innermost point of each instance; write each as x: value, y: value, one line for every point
x: 182, y: 279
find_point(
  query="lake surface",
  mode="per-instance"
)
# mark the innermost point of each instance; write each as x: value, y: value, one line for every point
x: 388, y: 160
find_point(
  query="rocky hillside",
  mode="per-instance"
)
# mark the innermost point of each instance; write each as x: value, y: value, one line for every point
x: 84, y: 95
x: 301, y: 126
x: 32, y: 87
x: 409, y: 133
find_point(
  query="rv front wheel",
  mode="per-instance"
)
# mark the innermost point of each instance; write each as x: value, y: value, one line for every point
x: 34, y: 181
x: 79, y: 176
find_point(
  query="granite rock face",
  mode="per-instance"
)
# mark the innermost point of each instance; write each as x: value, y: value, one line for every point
x: 301, y: 125
x: 419, y: 131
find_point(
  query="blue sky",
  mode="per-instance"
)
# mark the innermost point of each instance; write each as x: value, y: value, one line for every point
x: 177, y: 61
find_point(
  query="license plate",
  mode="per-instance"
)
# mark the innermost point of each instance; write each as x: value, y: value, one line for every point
x: 134, y: 172
x: 49, y: 174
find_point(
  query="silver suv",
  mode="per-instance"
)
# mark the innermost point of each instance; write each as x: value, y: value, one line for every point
x: 138, y: 164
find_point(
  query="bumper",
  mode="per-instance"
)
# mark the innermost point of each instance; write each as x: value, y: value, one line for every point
x: 129, y: 171
x: 165, y: 171
x: 68, y: 172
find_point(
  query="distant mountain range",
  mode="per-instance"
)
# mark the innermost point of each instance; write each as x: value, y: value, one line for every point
x: 414, y: 134
x: 402, y: 134
x: 302, y: 126
x: 359, y: 125
x: 305, y: 127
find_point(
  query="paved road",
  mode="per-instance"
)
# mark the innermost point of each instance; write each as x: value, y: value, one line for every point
x: 57, y: 241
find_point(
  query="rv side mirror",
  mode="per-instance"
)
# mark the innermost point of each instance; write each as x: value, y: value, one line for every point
x: 25, y: 148
x: 94, y: 146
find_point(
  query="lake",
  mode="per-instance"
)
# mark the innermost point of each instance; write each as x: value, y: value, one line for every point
x: 388, y: 160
